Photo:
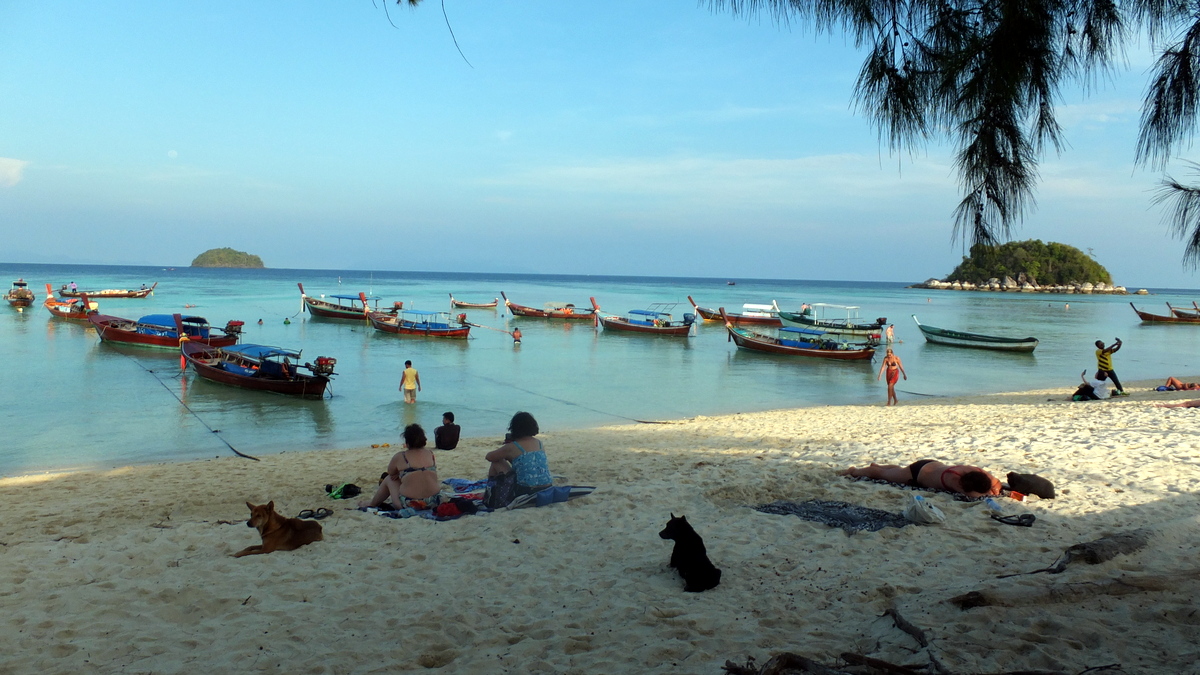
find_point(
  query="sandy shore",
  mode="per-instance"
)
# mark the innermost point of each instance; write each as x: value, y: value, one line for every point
x: 130, y: 570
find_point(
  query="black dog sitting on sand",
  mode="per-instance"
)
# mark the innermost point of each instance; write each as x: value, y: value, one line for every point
x: 689, y: 557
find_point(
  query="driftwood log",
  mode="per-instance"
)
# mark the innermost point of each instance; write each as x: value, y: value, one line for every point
x: 1098, y: 551
x: 1073, y: 592
x: 788, y: 663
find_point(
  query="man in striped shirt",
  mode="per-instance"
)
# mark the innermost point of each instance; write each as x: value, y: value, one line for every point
x: 1104, y: 364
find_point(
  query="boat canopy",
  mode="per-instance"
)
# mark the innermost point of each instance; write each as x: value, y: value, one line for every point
x: 760, y: 308
x: 803, y: 331
x: 261, y: 352
x: 422, y: 312
x: 648, y: 312
x: 168, y: 320
x: 354, y: 298
x: 825, y: 304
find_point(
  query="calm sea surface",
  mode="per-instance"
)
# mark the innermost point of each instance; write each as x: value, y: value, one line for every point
x: 68, y: 401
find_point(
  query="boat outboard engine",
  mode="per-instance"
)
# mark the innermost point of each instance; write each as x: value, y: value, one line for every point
x: 881, y: 320
x: 462, y: 318
x: 689, y: 319
x: 323, y: 366
x: 234, y: 327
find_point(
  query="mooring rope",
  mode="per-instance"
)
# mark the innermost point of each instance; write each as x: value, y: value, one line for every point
x: 187, y: 408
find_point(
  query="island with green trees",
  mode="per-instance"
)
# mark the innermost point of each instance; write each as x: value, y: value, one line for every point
x: 226, y: 257
x: 1030, y: 266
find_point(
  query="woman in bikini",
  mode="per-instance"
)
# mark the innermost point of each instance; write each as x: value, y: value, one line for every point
x: 893, y: 366
x: 523, y: 455
x: 971, y: 481
x: 411, y: 475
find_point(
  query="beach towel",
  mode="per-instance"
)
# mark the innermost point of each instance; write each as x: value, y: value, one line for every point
x: 851, y: 518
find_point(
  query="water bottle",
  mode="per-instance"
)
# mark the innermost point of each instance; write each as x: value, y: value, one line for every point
x: 993, y: 506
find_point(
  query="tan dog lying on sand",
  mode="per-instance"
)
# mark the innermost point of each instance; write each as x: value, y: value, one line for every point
x: 279, y: 533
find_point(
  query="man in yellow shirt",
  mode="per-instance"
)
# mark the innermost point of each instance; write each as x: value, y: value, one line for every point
x: 1104, y: 363
x: 410, y: 383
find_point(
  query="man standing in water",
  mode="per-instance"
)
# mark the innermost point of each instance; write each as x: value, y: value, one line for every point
x: 894, y: 368
x: 410, y: 383
x: 1104, y: 363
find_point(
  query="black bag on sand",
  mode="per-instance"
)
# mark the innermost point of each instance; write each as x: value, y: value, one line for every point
x: 501, y: 490
x: 1030, y: 484
x: 343, y: 491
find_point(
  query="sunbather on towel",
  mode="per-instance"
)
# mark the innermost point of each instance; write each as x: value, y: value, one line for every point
x: 523, y: 456
x: 411, y: 475
x: 971, y: 481
x: 1181, y: 404
x: 1176, y: 384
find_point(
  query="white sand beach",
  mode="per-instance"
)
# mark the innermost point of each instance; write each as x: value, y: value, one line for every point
x: 131, y: 571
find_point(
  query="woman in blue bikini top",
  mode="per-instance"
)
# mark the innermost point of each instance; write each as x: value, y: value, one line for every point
x: 523, y: 455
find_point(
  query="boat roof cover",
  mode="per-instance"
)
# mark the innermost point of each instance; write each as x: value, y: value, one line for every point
x: 168, y: 320
x: 825, y: 304
x: 647, y: 312
x: 353, y: 297
x: 261, y: 351
x: 422, y: 312
x: 803, y: 331
x: 760, y: 308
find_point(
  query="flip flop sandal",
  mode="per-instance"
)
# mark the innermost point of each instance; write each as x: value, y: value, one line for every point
x: 315, y: 515
x: 1022, y: 520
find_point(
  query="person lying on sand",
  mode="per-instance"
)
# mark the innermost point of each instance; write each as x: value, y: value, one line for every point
x: 1181, y: 404
x: 1176, y: 384
x: 971, y: 481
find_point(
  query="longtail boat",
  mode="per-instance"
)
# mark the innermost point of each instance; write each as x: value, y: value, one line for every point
x: 654, y: 320
x: 1147, y: 317
x: 761, y: 315
x: 954, y: 338
x: 418, y: 323
x: 553, y: 310
x: 260, y: 368
x: 459, y: 304
x: 163, y: 330
x: 353, y: 309
x: 142, y: 292
x: 75, y: 309
x: 792, y: 341
x: 1185, y: 313
x: 817, y: 315
x: 19, y: 295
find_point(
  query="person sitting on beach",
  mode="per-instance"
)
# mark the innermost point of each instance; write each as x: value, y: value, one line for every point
x: 518, y: 457
x: 445, y: 437
x: 1176, y: 384
x: 1181, y: 404
x: 971, y: 481
x: 411, y: 475
x: 1092, y: 390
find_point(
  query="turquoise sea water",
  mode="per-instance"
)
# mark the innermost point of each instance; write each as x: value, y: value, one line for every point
x: 68, y: 401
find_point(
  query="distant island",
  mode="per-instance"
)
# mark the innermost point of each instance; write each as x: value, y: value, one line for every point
x: 1030, y: 266
x: 226, y: 257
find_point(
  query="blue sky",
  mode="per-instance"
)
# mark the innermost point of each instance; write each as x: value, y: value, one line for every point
x: 600, y: 138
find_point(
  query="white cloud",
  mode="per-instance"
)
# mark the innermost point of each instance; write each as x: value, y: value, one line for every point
x: 11, y: 171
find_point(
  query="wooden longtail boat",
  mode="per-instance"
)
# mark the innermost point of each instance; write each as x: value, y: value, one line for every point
x: 954, y: 338
x: 19, y: 295
x: 1185, y: 313
x: 163, y: 330
x: 655, y: 320
x: 553, y: 310
x: 259, y: 368
x: 1147, y: 317
x: 459, y: 304
x: 75, y: 309
x: 354, y: 309
x: 142, y: 292
x: 793, y: 341
x: 761, y: 315
x: 417, y: 323
x: 815, y: 316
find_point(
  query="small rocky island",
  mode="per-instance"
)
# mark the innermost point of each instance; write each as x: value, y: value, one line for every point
x: 1028, y: 267
x: 227, y: 257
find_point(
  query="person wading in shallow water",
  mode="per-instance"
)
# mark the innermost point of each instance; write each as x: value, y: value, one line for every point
x: 894, y: 368
x: 410, y: 383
